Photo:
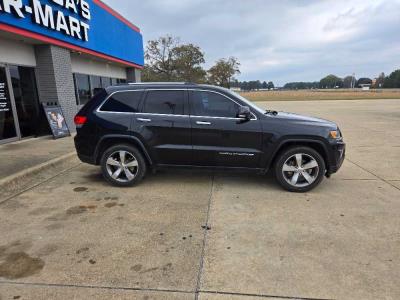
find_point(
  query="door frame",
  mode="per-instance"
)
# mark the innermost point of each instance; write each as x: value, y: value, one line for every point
x: 13, y: 106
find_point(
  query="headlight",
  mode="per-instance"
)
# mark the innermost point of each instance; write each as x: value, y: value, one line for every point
x: 335, y: 134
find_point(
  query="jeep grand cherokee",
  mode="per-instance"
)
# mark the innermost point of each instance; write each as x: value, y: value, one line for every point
x: 129, y: 129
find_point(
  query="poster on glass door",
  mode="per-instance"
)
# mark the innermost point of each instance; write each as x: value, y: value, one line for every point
x: 56, y: 120
x: 4, y: 101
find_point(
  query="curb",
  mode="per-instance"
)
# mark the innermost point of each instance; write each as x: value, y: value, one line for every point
x: 23, y: 180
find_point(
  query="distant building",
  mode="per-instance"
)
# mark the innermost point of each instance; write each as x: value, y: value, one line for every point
x: 365, y: 86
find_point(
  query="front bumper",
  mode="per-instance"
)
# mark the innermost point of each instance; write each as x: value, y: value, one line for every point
x: 338, y: 155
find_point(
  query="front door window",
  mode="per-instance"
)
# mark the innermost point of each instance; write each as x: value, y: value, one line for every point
x: 213, y: 105
x: 7, y: 122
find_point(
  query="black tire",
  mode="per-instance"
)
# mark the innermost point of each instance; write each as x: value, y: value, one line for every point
x: 132, y: 156
x: 307, y: 178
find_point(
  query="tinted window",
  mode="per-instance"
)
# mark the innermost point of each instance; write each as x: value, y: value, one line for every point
x: 212, y: 105
x: 82, y: 86
x: 164, y: 102
x: 123, y: 102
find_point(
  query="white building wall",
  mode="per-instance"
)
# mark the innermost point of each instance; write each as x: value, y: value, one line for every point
x: 17, y: 53
x: 84, y: 65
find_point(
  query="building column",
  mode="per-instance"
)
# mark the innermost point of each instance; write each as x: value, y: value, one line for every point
x: 55, y: 80
x: 133, y: 75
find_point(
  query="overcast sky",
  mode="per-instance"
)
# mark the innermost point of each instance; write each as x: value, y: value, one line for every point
x: 282, y: 41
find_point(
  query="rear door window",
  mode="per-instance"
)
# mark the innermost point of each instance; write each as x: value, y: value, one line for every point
x: 165, y: 102
x: 123, y: 102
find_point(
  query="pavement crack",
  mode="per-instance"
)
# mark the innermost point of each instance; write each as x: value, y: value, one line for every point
x: 262, y: 295
x: 38, y: 184
x: 96, y: 287
x: 368, y: 171
x: 206, y: 227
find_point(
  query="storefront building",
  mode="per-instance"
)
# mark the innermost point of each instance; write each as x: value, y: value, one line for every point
x: 60, y: 52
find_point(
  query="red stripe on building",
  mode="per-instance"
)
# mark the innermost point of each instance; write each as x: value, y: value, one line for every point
x: 49, y: 40
x: 115, y: 14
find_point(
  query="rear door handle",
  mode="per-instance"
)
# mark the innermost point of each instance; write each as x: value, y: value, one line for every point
x: 143, y: 120
x: 203, y: 123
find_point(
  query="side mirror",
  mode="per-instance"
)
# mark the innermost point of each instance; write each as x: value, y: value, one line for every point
x: 244, y: 113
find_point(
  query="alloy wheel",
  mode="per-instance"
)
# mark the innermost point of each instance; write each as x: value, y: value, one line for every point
x: 122, y: 166
x: 300, y: 170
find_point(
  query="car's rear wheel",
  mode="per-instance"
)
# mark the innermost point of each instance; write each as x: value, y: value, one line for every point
x: 123, y: 165
x: 299, y: 169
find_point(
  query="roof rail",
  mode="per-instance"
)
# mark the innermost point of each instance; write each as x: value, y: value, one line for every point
x: 160, y: 83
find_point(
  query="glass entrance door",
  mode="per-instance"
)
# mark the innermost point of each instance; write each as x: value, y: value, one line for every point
x: 8, y: 128
x: 26, y: 100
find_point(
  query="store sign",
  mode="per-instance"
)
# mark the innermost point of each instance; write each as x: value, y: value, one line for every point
x: 88, y: 24
x: 53, y: 18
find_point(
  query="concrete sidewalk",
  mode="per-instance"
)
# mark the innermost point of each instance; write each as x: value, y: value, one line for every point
x: 27, y: 163
x: 19, y: 156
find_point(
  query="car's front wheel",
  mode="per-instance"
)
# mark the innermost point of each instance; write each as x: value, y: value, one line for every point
x: 123, y: 165
x: 299, y: 169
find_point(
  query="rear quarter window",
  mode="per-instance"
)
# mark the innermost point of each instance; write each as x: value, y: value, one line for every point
x: 124, y: 101
x: 93, y: 103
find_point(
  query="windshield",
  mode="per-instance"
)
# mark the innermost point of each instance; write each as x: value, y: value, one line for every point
x: 249, y: 103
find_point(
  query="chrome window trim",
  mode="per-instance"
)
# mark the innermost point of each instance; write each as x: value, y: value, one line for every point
x: 174, y: 89
x: 155, y: 114
x: 160, y: 89
x: 227, y: 118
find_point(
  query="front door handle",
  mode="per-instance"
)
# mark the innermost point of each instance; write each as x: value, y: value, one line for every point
x: 203, y: 123
x: 143, y: 120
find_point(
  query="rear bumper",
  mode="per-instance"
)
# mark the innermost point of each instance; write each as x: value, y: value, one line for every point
x: 338, y: 156
x: 87, y: 159
x: 84, y: 149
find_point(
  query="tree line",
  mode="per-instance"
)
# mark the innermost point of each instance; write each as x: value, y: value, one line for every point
x: 332, y: 81
x: 252, y: 85
x: 167, y: 59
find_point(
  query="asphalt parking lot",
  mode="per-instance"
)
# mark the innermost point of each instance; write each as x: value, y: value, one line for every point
x: 189, y: 234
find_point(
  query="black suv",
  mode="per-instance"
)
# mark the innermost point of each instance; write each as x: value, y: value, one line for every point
x: 128, y: 129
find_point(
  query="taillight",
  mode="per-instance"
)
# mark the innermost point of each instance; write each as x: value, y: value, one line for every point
x: 80, y: 120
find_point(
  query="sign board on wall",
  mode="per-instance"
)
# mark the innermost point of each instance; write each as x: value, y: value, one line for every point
x: 82, y: 24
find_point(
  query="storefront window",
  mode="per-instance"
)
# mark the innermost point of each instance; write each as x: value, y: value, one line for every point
x: 7, y: 124
x: 105, y: 82
x: 82, y: 87
x: 114, y: 81
x: 89, y: 85
x: 95, y: 84
x: 26, y: 99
